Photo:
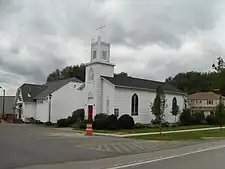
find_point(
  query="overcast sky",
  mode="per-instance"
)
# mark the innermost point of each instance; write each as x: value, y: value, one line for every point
x: 149, y: 38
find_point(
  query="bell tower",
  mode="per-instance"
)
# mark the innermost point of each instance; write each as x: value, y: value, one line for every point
x: 100, y: 51
x: 98, y: 66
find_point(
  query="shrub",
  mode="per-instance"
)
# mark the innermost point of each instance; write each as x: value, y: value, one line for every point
x: 112, y: 122
x: 101, y: 116
x: 199, y: 117
x: 100, y: 121
x: 63, y: 122
x: 186, y: 118
x: 211, y: 119
x: 77, y: 116
x: 126, y: 122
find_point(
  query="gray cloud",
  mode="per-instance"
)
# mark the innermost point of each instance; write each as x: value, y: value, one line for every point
x: 37, y: 37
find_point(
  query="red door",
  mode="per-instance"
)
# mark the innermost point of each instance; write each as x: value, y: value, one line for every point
x: 90, y: 111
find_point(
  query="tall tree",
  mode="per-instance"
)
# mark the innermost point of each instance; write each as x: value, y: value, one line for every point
x: 220, y: 114
x: 158, y: 106
x: 77, y: 71
x: 121, y: 74
x: 175, y: 108
x: 220, y: 64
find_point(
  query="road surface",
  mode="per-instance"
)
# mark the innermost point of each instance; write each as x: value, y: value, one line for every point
x: 33, y: 147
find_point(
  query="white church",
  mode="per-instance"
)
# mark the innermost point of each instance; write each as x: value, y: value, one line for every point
x: 102, y: 92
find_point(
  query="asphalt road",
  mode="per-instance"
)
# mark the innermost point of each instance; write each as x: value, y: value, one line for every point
x: 29, y: 146
x: 199, y: 160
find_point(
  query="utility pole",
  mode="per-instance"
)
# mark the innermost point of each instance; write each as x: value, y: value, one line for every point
x: 3, y: 101
x: 49, y: 108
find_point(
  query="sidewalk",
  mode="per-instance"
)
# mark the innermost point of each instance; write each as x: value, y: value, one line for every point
x: 155, y: 133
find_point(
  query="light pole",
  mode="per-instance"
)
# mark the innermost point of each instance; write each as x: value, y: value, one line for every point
x: 3, y: 101
x: 49, y: 108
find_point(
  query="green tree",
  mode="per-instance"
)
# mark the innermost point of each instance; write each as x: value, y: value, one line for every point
x: 220, y: 64
x: 220, y: 114
x: 77, y: 71
x: 121, y: 74
x: 158, y: 106
x: 175, y: 108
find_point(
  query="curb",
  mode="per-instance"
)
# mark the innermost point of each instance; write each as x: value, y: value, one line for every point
x: 155, y: 133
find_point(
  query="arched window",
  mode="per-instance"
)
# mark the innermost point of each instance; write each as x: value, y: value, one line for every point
x: 107, y: 106
x: 174, y: 101
x: 91, y: 74
x: 134, y: 105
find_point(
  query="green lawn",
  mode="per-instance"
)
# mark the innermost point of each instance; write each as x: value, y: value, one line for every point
x: 198, y: 135
x: 153, y: 129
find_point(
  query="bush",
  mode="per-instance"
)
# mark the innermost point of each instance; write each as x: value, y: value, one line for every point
x: 126, y: 122
x: 77, y: 116
x: 199, y: 117
x: 186, y: 118
x: 100, y: 121
x: 63, y: 122
x: 101, y: 116
x: 112, y: 122
x: 211, y: 119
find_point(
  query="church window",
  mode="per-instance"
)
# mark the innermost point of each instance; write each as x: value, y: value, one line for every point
x: 91, y: 74
x: 107, y: 106
x: 104, y: 55
x: 134, y: 105
x: 116, y: 112
x: 94, y: 54
x: 174, y: 100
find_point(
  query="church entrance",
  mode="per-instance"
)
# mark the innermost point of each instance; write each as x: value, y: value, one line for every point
x: 90, y: 112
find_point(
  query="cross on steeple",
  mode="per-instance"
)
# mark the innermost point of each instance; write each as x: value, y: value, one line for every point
x: 100, y: 28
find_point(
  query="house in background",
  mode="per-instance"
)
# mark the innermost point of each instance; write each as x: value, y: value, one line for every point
x: 9, y: 102
x: 205, y: 102
x: 34, y: 100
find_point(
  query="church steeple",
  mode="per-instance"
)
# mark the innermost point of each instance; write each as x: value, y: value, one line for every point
x: 100, y: 51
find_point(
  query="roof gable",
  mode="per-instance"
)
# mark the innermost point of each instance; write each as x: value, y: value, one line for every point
x: 53, y: 86
x: 30, y: 92
x: 204, y: 96
x: 131, y: 82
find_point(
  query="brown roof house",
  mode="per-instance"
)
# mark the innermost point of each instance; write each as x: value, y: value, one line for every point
x: 205, y: 102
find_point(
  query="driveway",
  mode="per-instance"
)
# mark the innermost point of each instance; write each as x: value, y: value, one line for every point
x: 28, y: 145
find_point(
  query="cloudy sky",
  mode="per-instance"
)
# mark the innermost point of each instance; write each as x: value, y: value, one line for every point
x: 156, y: 38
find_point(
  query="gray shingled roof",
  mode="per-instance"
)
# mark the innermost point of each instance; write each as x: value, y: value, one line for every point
x: 9, y: 102
x: 53, y: 86
x: 127, y: 81
x: 33, y: 91
x: 41, y: 91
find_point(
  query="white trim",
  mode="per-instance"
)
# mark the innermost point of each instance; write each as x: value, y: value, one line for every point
x: 167, y: 158
x: 139, y: 88
x: 100, y: 62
